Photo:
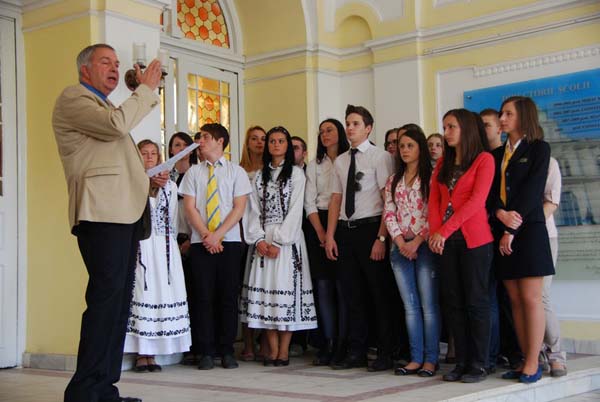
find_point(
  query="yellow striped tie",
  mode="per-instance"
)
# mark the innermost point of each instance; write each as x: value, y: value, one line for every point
x: 212, y: 201
x: 507, y: 155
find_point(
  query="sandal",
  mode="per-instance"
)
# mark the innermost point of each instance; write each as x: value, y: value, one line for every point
x: 140, y: 368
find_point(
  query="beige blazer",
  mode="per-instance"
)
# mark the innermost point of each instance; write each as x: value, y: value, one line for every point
x: 105, y: 174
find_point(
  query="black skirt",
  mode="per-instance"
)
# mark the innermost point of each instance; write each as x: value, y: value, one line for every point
x: 531, y: 254
x: 320, y: 266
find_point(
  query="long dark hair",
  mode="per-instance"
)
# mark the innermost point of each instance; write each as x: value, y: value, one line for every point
x: 529, y: 123
x: 185, y: 137
x: 482, y: 133
x: 470, y: 144
x: 343, y: 144
x: 288, y: 164
x: 424, y: 168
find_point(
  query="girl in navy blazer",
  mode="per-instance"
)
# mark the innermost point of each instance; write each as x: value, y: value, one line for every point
x: 516, y: 208
x: 460, y: 233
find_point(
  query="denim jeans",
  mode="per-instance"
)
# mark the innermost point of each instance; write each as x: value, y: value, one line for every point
x: 417, y: 282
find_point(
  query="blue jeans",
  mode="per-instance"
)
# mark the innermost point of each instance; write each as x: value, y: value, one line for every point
x: 417, y: 281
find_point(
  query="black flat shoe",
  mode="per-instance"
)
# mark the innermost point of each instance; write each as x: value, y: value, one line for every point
x: 154, y: 368
x: 268, y: 362
x: 405, y: 371
x: 280, y: 362
x: 351, y: 362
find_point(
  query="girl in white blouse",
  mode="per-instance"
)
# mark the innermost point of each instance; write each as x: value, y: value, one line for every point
x: 328, y: 294
x: 277, y: 294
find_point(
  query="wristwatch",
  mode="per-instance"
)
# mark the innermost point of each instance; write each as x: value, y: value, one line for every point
x: 381, y: 239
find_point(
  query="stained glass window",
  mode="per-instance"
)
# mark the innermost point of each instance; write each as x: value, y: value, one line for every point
x: 203, y: 20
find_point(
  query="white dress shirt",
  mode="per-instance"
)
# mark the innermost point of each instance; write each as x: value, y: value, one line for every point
x: 552, y: 193
x: 376, y: 165
x: 232, y: 182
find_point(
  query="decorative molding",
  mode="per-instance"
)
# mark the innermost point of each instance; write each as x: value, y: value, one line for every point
x: 442, y: 3
x: 512, y: 15
x: 537, y: 61
x: 498, y: 18
x: 555, y: 26
x: 326, y: 51
x: 216, y: 56
x: 332, y: 73
x: 160, y: 4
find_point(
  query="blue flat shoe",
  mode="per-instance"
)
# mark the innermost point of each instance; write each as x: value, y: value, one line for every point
x: 530, y: 379
x: 512, y: 375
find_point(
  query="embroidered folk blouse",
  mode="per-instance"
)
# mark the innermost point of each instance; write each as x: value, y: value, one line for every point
x: 405, y: 212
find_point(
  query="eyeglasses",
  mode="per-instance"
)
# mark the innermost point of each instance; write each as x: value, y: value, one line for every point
x: 388, y: 143
x: 358, y: 177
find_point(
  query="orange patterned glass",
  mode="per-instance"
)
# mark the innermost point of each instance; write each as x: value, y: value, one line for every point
x: 203, y: 20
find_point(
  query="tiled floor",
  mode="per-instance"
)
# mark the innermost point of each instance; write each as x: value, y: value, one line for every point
x: 299, y: 382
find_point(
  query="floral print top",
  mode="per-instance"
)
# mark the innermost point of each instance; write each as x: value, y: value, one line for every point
x: 406, y: 212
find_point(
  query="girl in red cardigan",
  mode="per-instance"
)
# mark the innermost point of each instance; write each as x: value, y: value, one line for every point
x: 460, y: 233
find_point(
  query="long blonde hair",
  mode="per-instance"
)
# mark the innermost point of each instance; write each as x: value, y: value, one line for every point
x: 246, y: 162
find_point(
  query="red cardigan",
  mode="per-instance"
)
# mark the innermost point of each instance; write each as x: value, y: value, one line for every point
x: 468, y: 200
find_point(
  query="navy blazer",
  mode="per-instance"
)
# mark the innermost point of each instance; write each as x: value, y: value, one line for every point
x: 525, y: 177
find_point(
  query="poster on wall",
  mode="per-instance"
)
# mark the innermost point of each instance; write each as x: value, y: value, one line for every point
x: 569, y: 111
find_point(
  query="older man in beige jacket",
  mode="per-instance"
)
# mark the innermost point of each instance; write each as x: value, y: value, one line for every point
x: 108, y: 191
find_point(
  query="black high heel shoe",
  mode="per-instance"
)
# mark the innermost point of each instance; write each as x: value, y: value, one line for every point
x: 279, y: 362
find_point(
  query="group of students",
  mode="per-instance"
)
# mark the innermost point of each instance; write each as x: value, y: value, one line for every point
x: 287, y: 248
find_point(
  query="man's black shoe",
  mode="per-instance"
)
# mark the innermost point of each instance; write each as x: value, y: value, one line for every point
x: 455, y: 375
x: 229, y: 362
x: 474, y: 375
x: 122, y: 399
x: 381, y: 364
x: 352, y: 361
x: 205, y: 362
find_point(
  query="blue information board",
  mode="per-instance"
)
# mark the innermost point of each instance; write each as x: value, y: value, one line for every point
x: 569, y: 110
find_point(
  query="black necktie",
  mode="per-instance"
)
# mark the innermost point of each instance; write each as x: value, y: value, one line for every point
x: 351, y: 184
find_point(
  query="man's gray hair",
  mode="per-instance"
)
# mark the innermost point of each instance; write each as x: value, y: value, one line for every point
x: 83, y: 58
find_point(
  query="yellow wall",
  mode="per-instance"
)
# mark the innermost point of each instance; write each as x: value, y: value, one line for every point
x: 56, y: 275
x: 278, y: 102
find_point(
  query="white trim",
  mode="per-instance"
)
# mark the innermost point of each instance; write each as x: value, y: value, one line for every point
x: 311, y: 21
x: 308, y: 70
x: 486, y: 21
x: 234, y: 26
x: 554, y: 26
x: 533, y: 62
x: 160, y: 4
x: 442, y: 3
x: 213, y: 55
x: 307, y: 51
x: 22, y: 233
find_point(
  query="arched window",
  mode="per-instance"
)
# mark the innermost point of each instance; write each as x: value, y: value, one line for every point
x: 203, y: 20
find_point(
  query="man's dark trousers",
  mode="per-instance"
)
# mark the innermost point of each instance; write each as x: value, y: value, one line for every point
x: 109, y: 251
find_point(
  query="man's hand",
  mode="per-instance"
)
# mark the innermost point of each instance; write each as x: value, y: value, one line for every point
x: 151, y: 75
x: 210, y: 240
x: 378, y: 250
x: 160, y: 179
